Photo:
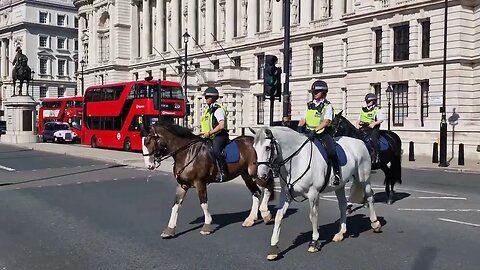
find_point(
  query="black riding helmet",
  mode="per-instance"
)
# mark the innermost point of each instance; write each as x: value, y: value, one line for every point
x: 370, y: 97
x: 319, y: 85
x: 211, y: 92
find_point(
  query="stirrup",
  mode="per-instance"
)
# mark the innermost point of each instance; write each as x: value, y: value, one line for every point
x: 336, y: 179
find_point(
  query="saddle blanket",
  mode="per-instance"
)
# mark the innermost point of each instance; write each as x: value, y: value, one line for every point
x: 342, y: 157
x: 382, y: 143
x: 231, y: 152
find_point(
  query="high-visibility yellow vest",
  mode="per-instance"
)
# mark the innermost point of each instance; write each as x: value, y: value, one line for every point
x: 315, y: 115
x: 368, y: 116
x: 208, y: 121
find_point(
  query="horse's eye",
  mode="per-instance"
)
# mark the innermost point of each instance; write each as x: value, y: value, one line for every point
x: 268, y: 148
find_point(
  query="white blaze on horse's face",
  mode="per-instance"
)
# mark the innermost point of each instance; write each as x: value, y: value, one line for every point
x: 263, y: 150
x: 148, y: 156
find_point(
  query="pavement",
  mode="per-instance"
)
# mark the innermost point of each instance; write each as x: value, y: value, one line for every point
x: 135, y: 159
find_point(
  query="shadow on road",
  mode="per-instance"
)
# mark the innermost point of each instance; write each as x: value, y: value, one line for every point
x: 356, y: 225
x: 381, y: 197
x: 425, y: 258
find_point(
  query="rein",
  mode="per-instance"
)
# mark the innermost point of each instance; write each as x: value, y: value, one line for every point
x: 275, y: 166
x: 171, y: 154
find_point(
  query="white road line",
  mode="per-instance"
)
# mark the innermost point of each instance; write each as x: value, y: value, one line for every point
x: 441, y: 198
x: 438, y: 210
x: 423, y: 191
x: 327, y: 199
x: 59, y: 185
x: 115, y: 179
x: 459, y: 222
x: 7, y: 168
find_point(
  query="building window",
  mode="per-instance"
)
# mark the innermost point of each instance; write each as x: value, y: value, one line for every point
x: 216, y: 64
x: 75, y: 44
x: 424, y: 88
x: 104, y: 47
x: 135, y: 76
x: 260, y: 65
x: 377, y: 89
x: 61, y: 20
x: 60, y: 91
x: 260, y: 109
x: 43, y: 66
x: 43, y: 91
x: 400, y: 43
x: 235, y: 18
x: 163, y: 74
x: 259, y: 18
x: 378, y: 45
x: 425, y: 39
x: 400, y: 103
x: 75, y: 22
x: 61, y: 67
x: 317, y: 59
x: 215, y: 18
x: 237, y: 62
x: 43, y: 42
x: 27, y: 120
x: 43, y: 17
x: 61, y: 43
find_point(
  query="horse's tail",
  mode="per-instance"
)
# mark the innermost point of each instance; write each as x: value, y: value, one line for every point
x: 396, y: 162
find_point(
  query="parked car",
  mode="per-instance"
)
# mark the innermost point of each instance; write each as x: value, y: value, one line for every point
x: 58, y: 132
x: 3, y: 127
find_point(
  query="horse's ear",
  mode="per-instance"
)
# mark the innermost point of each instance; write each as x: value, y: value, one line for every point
x: 252, y: 130
x: 268, y: 133
x: 340, y: 113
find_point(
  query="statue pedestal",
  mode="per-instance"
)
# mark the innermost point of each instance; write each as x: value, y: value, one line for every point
x: 20, y: 114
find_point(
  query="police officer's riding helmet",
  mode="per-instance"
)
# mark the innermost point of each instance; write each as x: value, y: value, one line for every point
x: 370, y: 97
x: 319, y: 85
x: 211, y: 92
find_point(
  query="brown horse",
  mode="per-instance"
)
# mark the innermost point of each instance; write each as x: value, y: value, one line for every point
x: 194, y: 166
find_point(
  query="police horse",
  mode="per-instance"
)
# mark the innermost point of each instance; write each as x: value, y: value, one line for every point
x: 304, y: 172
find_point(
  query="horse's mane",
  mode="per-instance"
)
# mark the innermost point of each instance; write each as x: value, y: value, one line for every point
x: 177, y: 130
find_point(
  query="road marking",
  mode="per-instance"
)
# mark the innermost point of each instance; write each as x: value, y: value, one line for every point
x: 327, y: 199
x: 115, y: 179
x: 59, y: 185
x: 34, y: 170
x: 442, y: 198
x: 438, y: 210
x: 7, y: 168
x: 78, y: 183
x: 459, y: 222
x: 424, y: 191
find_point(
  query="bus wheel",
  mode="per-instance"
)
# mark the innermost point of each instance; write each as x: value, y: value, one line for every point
x: 127, y: 145
x: 93, y: 142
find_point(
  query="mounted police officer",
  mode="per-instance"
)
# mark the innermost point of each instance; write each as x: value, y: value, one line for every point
x: 214, y: 126
x: 319, y: 116
x: 370, y: 119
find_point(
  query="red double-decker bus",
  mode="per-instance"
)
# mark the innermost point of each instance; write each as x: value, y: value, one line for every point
x: 114, y: 113
x: 64, y: 109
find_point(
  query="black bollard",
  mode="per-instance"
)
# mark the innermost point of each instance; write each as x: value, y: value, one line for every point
x: 411, y: 152
x: 435, y: 153
x: 461, y: 155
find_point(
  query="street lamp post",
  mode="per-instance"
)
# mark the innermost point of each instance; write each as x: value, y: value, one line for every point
x: 389, y: 92
x: 32, y: 75
x: 185, y: 70
x: 443, y: 122
x: 82, y: 64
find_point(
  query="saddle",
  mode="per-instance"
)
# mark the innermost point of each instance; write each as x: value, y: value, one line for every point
x: 342, y: 157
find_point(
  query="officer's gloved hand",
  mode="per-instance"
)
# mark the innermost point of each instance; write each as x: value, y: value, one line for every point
x: 300, y: 129
x: 311, y: 135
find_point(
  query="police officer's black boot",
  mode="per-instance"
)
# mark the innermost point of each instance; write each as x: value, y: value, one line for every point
x: 222, y: 169
x: 336, y: 169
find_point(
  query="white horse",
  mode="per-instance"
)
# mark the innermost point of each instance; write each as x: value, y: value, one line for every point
x: 304, y: 173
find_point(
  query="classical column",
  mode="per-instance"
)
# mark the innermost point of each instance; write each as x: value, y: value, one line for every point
x: 252, y: 13
x: 192, y: 10
x: 134, y: 32
x: 306, y: 11
x: 175, y: 31
x: 229, y: 20
x: 112, y: 34
x: 277, y: 13
x: 160, y: 31
x: 209, y: 21
x: 81, y: 25
x: 92, y: 45
x: 11, y: 55
x: 3, y: 55
x: 146, y: 33
x: 349, y: 6
x: 337, y: 9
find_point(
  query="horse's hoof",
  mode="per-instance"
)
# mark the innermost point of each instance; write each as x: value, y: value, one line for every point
x: 168, y: 233
x: 338, y: 237
x: 268, y: 218
x: 313, y: 246
x: 376, y: 226
x: 248, y: 223
x: 389, y: 201
x: 273, y: 253
x: 207, y: 229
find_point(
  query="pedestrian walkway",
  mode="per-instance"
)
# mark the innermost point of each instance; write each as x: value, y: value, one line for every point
x: 135, y: 159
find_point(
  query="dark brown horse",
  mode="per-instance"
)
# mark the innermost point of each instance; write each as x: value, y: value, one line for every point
x: 194, y: 167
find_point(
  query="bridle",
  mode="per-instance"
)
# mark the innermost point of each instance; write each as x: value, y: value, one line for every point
x: 274, y: 163
x: 158, y: 155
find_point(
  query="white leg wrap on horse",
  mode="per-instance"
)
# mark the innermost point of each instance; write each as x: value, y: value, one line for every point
x: 172, y: 223
x: 208, y: 217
